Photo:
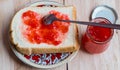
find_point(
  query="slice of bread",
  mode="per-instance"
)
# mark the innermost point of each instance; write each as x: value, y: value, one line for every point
x: 69, y: 44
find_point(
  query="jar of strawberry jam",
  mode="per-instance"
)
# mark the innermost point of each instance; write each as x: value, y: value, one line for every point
x: 97, y: 39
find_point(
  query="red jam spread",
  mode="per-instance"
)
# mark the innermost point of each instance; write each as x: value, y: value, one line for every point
x: 37, y: 32
x: 96, y: 39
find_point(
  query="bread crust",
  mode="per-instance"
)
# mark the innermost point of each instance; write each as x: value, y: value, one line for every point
x: 36, y: 50
x: 29, y: 51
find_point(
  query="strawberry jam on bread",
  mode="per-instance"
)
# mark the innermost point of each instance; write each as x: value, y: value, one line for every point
x: 30, y: 35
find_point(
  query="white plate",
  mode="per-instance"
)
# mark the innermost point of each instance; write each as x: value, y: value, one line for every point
x: 27, y: 61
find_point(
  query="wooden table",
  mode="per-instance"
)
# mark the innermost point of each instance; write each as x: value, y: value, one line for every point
x: 109, y: 60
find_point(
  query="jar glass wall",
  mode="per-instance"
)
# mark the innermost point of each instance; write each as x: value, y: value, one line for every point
x: 96, y: 39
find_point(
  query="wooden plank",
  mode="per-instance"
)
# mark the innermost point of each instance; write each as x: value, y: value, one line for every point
x: 7, y: 11
x: 118, y: 22
x: 109, y: 60
x: 59, y: 1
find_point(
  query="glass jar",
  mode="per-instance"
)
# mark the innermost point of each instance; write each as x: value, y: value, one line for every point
x: 96, y: 39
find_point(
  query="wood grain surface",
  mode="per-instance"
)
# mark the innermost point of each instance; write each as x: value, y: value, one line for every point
x: 109, y: 60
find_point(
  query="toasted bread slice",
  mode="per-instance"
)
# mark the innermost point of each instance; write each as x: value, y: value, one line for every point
x: 69, y: 44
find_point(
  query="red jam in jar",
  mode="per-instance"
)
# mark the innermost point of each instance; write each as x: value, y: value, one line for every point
x: 96, y: 39
x: 35, y: 31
